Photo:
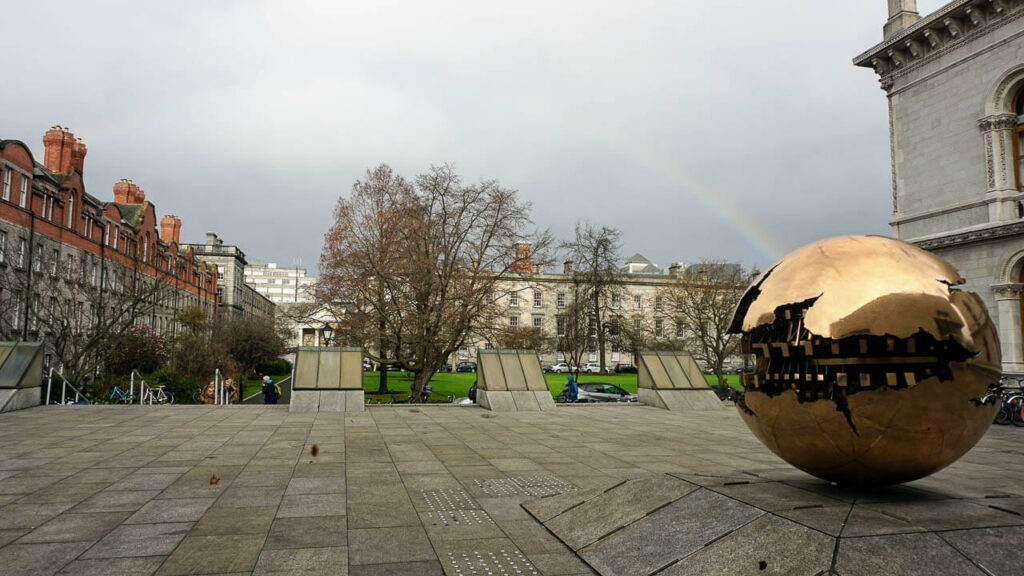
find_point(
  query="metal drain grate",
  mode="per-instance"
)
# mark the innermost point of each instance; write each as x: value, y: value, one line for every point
x: 448, y: 499
x: 491, y: 563
x: 459, y: 517
x: 539, y: 485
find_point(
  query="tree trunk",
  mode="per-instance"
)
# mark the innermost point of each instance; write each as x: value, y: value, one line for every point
x: 383, y: 386
x: 419, y: 380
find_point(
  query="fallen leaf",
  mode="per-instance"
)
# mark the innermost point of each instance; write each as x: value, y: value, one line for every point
x: 214, y: 480
x: 314, y: 450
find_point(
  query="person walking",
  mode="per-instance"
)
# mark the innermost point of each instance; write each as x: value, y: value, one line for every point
x: 574, y: 389
x: 270, y: 391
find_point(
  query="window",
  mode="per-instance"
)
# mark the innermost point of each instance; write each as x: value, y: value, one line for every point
x: 593, y: 328
x: 93, y: 275
x: 1018, y: 140
x: 71, y: 211
x: 616, y: 301
x: 54, y: 262
x: 513, y: 299
x: 3, y: 247
x: 592, y: 356
x: 613, y: 328
x: 538, y: 322
x: 636, y: 325
x: 561, y: 357
x: 680, y: 329
x: 615, y: 352
x: 560, y: 322
x: 659, y: 303
x: 513, y: 321
x: 24, y: 190
x: 659, y: 328
x: 638, y: 302
x: 561, y: 299
x: 38, y: 265
x: 7, y: 184
x: 538, y: 299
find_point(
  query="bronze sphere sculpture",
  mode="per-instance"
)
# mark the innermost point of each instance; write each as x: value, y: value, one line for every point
x: 871, y: 367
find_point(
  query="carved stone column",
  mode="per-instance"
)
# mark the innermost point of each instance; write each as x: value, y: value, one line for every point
x: 1008, y: 318
x: 997, y: 131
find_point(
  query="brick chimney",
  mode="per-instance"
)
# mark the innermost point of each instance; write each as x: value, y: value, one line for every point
x: 522, y: 265
x: 62, y: 151
x: 675, y: 270
x: 127, y: 192
x: 567, y: 266
x: 902, y: 13
x: 170, y: 228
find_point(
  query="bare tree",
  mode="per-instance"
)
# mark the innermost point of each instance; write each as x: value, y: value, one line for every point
x: 597, y: 280
x: 701, y: 302
x: 575, y: 336
x: 79, y: 308
x: 416, y: 268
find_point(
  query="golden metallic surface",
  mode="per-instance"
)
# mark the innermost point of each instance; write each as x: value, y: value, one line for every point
x: 869, y: 362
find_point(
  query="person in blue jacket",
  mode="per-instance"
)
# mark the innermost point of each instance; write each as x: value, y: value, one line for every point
x: 574, y: 389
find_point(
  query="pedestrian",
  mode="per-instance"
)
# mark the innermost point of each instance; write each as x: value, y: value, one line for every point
x: 269, y: 391
x: 574, y: 389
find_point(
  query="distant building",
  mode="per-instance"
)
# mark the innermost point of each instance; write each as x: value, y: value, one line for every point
x: 280, y: 285
x: 954, y: 80
x: 54, y: 234
x: 235, y: 298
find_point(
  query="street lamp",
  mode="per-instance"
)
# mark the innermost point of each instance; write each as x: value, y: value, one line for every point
x: 328, y: 332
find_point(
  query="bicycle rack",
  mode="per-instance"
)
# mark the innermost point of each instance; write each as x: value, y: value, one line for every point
x: 221, y: 395
x: 64, y: 388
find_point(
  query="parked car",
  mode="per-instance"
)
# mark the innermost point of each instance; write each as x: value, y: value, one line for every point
x: 367, y: 365
x: 446, y: 367
x: 465, y: 367
x: 601, y: 392
x: 623, y: 368
x: 560, y: 368
x: 591, y: 368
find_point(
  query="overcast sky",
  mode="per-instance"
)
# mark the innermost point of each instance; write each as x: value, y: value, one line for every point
x: 699, y: 129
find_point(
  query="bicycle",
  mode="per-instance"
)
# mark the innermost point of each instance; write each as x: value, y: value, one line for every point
x: 1011, y: 408
x: 157, y: 395
x: 121, y: 395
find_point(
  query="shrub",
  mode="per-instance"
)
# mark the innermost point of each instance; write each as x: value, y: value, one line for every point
x: 139, y: 348
x: 275, y: 367
x: 184, y: 389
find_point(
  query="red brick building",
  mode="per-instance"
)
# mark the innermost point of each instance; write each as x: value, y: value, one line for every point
x: 50, y: 228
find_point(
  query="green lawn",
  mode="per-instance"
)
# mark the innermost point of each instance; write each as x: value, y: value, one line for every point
x: 457, y: 385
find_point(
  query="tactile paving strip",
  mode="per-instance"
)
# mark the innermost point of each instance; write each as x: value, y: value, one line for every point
x: 538, y: 485
x: 459, y: 517
x: 448, y: 499
x: 507, y: 561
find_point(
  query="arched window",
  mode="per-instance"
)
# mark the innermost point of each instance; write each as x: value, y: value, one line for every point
x: 71, y: 211
x: 1018, y: 138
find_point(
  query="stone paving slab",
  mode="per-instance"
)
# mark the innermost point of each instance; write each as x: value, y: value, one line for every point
x: 418, y: 491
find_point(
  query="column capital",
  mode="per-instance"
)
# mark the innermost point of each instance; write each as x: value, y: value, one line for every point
x: 1007, y: 291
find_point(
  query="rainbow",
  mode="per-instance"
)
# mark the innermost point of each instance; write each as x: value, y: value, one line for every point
x: 755, y: 233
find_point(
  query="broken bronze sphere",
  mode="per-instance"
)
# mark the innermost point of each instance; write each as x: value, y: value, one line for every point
x: 870, y: 364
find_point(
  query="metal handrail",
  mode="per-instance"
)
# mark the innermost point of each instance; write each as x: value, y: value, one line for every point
x: 64, y: 389
x: 221, y: 395
x: 142, y: 388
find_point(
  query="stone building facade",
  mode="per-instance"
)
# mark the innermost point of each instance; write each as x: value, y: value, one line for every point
x: 282, y: 285
x: 955, y: 86
x: 541, y: 299
x: 56, y: 236
x: 235, y: 298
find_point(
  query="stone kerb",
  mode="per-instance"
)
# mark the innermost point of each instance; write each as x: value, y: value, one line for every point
x: 511, y: 381
x: 327, y: 379
x: 671, y: 380
x: 21, y: 375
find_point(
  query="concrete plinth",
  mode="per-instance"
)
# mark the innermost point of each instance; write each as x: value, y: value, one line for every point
x: 327, y: 401
x: 19, y: 398
x: 680, y: 400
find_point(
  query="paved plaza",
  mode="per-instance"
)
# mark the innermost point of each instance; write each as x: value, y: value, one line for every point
x: 461, y: 491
